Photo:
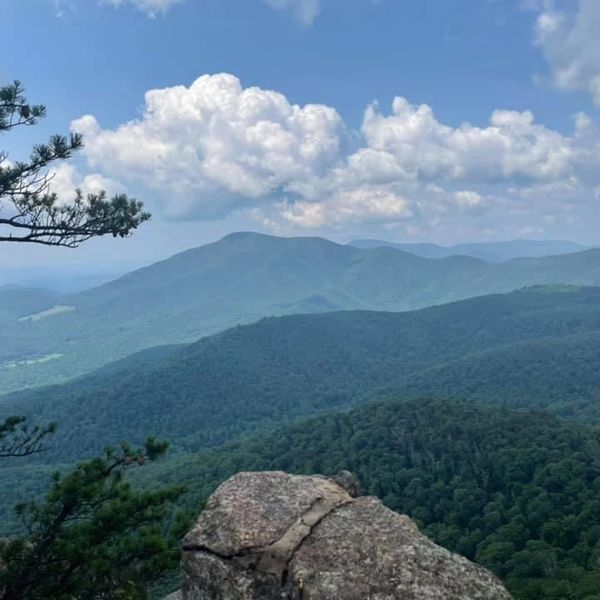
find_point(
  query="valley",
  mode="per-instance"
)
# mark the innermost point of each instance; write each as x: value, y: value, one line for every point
x: 535, y: 348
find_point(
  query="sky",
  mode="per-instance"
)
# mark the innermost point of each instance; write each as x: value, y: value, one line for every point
x: 407, y: 120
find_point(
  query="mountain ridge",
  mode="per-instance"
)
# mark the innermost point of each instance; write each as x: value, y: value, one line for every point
x: 490, y: 251
x: 281, y: 368
x: 243, y: 278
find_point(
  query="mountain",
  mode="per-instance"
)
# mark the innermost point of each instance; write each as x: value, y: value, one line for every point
x: 240, y: 279
x: 490, y: 251
x: 534, y: 348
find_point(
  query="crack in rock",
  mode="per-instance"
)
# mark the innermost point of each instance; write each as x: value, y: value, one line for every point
x: 274, y: 558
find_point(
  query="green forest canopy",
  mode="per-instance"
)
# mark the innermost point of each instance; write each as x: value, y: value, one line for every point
x: 537, y: 348
x: 516, y: 492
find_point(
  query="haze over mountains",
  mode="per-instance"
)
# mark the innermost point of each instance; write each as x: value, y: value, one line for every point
x: 66, y: 280
x: 529, y: 349
x: 491, y: 251
x: 240, y: 279
x: 16, y: 302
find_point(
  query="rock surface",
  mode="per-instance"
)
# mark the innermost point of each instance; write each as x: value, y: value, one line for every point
x: 267, y: 536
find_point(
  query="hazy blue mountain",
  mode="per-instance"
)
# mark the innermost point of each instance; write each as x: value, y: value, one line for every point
x: 63, y: 280
x: 534, y: 348
x: 490, y: 251
x: 245, y: 277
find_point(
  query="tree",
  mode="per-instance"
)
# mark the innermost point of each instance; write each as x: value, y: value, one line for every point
x: 18, y: 439
x: 93, y: 536
x: 30, y: 211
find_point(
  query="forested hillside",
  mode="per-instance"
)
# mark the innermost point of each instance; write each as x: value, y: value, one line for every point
x: 516, y: 492
x: 534, y: 348
x: 245, y: 277
x: 15, y: 303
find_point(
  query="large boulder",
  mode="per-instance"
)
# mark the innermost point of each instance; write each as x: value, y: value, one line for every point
x: 267, y: 536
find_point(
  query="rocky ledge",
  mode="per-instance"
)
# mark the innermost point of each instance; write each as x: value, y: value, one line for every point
x: 267, y: 536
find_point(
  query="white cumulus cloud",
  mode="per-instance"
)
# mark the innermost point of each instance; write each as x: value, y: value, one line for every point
x: 567, y: 34
x: 305, y: 11
x: 216, y: 147
x: 65, y: 178
x: 217, y: 139
x: 369, y: 204
x: 512, y: 145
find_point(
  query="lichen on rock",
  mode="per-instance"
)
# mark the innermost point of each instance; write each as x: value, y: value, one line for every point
x: 267, y: 536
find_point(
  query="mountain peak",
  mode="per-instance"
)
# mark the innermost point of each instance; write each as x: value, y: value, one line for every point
x: 245, y: 235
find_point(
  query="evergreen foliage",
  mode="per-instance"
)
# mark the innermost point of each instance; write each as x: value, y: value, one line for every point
x: 30, y: 211
x: 93, y: 536
x: 18, y: 439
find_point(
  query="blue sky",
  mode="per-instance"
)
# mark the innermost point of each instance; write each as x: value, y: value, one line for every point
x: 485, y: 125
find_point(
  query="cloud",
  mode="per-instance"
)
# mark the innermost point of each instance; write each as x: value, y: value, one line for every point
x: 216, y: 147
x: 567, y: 34
x: 419, y: 146
x: 468, y: 199
x: 152, y: 8
x: 66, y: 178
x: 217, y: 139
x: 306, y: 11
x: 378, y: 204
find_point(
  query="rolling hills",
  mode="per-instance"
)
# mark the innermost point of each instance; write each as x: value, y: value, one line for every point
x: 242, y: 278
x: 533, y: 348
x: 514, y: 491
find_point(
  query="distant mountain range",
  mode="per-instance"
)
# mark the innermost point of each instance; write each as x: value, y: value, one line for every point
x: 537, y: 348
x: 240, y: 279
x: 64, y: 279
x: 490, y: 251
